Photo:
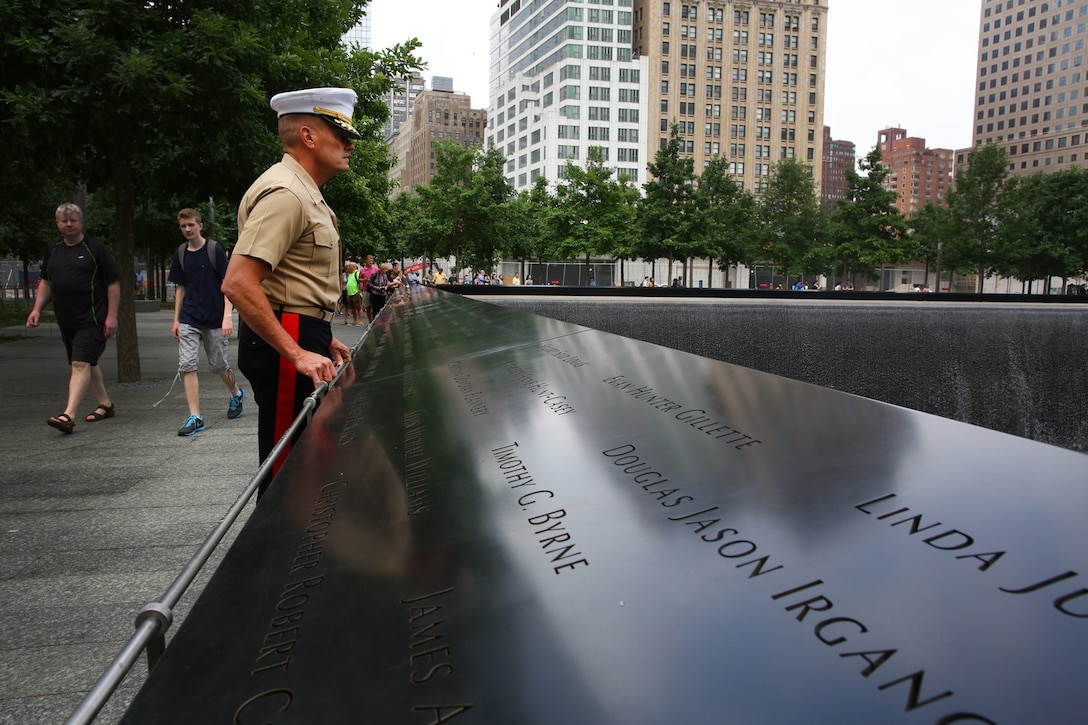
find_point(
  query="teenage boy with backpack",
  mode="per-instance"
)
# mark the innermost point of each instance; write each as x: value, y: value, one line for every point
x: 201, y: 315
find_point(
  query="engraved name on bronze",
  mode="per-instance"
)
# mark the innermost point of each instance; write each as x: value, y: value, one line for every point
x: 281, y: 635
x: 549, y: 527
x: 472, y: 397
x: 417, y: 464
x: 554, y: 401
x: 359, y: 405
x: 430, y: 655
x: 564, y: 355
x: 692, y: 417
x: 884, y: 508
x: 838, y: 630
x: 704, y: 521
x: 707, y: 523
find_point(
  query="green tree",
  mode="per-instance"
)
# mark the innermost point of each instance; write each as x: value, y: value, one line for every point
x: 409, y: 231
x: 464, y: 202
x: 976, y: 208
x: 492, y: 193
x: 1044, y: 231
x: 525, y: 223
x: 166, y: 101
x: 667, y: 211
x: 725, y: 215
x: 593, y: 211
x: 25, y: 227
x: 791, y: 222
x: 868, y: 231
x: 931, y: 229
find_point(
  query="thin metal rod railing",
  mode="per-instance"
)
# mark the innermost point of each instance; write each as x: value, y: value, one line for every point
x: 156, y: 617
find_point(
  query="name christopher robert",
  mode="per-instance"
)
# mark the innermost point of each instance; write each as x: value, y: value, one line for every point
x: 697, y: 419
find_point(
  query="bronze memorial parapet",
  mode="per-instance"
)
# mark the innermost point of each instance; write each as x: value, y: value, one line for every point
x: 501, y: 518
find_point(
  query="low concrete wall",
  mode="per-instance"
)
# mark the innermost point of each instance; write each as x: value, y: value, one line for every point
x: 1019, y: 368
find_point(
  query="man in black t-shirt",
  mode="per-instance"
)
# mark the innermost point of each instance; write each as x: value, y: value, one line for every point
x: 79, y: 275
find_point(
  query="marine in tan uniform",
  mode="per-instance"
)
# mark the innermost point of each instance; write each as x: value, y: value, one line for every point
x: 284, y: 274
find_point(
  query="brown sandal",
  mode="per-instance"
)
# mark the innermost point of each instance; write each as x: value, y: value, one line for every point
x: 100, y: 413
x: 62, y: 422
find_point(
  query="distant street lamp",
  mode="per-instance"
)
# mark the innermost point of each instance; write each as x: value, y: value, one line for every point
x: 940, y: 248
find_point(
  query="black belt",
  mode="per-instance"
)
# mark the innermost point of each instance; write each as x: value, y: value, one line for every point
x: 322, y: 313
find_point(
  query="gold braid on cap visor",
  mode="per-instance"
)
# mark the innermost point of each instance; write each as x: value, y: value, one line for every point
x: 346, y: 120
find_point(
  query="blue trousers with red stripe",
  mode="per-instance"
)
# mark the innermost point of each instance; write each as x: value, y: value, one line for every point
x: 278, y: 389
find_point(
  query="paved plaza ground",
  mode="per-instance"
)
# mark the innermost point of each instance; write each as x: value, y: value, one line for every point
x: 98, y: 523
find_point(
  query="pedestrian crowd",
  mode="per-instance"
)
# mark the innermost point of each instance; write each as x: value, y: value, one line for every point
x: 479, y: 277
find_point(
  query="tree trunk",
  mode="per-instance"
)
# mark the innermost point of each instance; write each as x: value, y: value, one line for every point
x: 128, y: 346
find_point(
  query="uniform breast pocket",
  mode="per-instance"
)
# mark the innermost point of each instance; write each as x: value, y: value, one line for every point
x: 325, y: 259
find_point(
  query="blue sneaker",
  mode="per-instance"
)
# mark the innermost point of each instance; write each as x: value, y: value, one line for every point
x: 235, y: 409
x: 193, y: 424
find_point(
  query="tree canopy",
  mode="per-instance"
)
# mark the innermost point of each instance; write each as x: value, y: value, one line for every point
x: 868, y: 230
x: 160, y: 105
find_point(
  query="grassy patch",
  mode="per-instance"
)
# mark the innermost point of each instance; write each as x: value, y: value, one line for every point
x: 14, y: 314
x: 11, y: 316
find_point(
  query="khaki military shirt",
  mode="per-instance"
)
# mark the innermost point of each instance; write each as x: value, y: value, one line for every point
x: 283, y: 219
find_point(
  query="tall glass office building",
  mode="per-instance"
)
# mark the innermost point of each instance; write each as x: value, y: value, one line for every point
x: 563, y: 79
x: 359, y: 35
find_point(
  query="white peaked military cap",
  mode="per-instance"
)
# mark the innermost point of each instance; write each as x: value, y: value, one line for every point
x: 335, y: 105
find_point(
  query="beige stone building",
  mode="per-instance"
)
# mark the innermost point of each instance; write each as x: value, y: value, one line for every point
x: 435, y: 116
x: 744, y: 79
x: 1032, y: 82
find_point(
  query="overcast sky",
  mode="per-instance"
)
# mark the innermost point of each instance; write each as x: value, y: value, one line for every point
x: 890, y: 63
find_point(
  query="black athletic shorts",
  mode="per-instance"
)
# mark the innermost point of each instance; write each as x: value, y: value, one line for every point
x: 83, y: 344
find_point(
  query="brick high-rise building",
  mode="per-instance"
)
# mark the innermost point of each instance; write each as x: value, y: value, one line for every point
x: 838, y: 157
x: 743, y: 79
x: 436, y: 116
x: 1032, y: 82
x: 917, y: 174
